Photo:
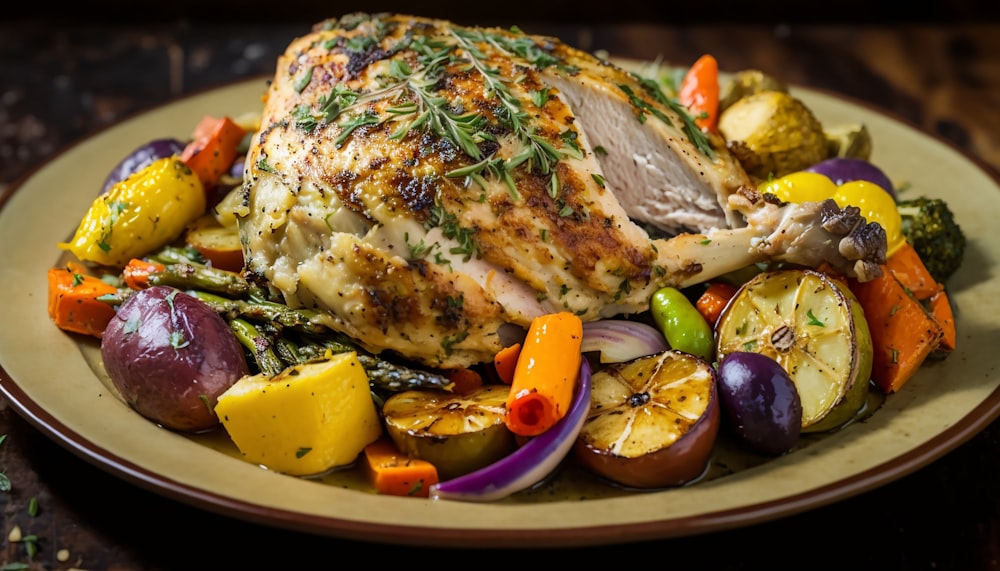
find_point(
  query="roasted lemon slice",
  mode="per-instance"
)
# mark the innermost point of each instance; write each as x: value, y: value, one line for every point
x: 815, y: 328
x: 457, y: 433
x: 653, y: 421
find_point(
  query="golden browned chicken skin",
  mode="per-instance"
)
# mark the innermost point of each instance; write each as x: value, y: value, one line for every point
x: 428, y: 185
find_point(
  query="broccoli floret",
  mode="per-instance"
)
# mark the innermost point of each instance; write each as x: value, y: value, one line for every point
x: 929, y: 225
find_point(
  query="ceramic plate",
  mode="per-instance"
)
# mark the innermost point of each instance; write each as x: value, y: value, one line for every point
x: 54, y: 380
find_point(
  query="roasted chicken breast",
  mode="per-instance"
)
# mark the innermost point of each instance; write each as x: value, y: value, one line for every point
x: 429, y: 186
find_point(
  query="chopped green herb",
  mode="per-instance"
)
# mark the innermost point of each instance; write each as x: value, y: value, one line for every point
x: 689, y: 127
x: 302, y: 82
x: 263, y: 165
x: 813, y: 320
x: 540, y: 96
x: 178, y: 340
x: 348, y: 127
x: 450, y: 228
x: 450, y: 341
x: 132, y: 325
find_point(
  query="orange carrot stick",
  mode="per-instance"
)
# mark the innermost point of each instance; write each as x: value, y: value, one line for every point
x: 699, y: 92
x: 213, y: 149
x: 72, y: 300
x: 903, y: 331
x: 714, y: 299
x: 464, y: 380
x: 910, y: 270
x: 393, y: 473
x: 136, y: 272
x: 505, y: 362
x: 940, y: 308
x: 546, y: 373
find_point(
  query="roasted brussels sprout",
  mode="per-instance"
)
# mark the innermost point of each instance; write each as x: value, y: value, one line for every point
x: 849, y: 141
x: 745, y: 83
x: 773, y: 133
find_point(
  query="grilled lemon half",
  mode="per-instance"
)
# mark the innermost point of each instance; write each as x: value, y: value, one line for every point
x: 815, y: 328
x: 653, y: 421
x: 458, y: 433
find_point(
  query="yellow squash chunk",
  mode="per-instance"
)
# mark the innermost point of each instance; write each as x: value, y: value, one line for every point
x: 304, y: 421
x: 139, y: 215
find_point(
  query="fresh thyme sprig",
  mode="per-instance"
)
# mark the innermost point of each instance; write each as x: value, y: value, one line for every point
x: 693, y: 132
x: 432, y: 111
x: 523, y: 46
x: 331, y: 106
x: 540, y: 155
x: 411, y: 89
x: 417, y: 105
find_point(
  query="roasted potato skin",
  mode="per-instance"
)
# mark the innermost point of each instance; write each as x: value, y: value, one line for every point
x: 170, y: 356
x: 747, y: 82
x: 773, y: 133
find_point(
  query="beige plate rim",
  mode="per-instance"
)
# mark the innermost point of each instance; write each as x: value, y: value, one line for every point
x: 48, y: 381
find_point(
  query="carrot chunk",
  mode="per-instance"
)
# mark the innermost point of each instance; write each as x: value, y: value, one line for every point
x: 505, y: 362
x: 903, y: 332
x: 714, y: 299
x: 212, y: 151
x: 464, y: 380
x: 136, y: 272
x: 940, y: 307
x: 910, y: 270
x: 699, y: 92
x: 73, y: 303
x: 393, y: 473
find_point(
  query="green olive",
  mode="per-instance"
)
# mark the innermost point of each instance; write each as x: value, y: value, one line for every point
x: 681, y: 323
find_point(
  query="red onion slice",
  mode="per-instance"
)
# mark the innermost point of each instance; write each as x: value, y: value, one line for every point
x: 620, y: 340
x: 527, y: 465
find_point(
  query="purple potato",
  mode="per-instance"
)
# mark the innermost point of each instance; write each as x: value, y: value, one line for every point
x: 843, y: 169
x: 759, y: 402
x: 141, y: 158
x: 171, y: 356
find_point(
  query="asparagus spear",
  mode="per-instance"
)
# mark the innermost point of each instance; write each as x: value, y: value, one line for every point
x: 255, y: 310
x: 198, y: 277
x: 259, y: 345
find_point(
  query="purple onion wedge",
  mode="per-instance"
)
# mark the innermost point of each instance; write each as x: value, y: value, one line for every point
x: 141, y: 158
x: 527, y: 465
x: 620, y: 340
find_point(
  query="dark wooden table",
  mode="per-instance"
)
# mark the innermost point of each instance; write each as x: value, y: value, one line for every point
x: 60, y: 82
